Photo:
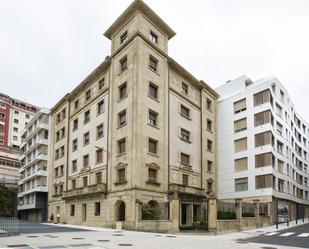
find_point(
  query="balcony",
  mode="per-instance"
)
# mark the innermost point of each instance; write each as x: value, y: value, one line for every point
x: 32, y: 175
x: 33, y: 190
x: 85, y: 191
x: 177, y: 188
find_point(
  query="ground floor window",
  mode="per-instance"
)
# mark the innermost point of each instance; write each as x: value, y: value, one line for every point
x: 97, y: 209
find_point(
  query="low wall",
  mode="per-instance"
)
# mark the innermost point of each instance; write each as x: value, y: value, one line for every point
x: 248, y: 223
x: 161, y: 226
x: 227, y: 226
x: 265, y: 221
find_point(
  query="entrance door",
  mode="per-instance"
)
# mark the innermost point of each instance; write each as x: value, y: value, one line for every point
x: 185, y: 213
x: 84, y: 211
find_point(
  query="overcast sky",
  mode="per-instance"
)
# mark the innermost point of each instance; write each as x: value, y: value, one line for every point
x: 47, y: 47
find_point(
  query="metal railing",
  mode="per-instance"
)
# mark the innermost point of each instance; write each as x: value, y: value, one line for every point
x: 9, y: 226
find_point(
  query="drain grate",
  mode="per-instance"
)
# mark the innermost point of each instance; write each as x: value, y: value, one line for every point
x: 267, y: 247
x: 79, y: 245
x: 32, y: 236
x: 77, y: 238
x: 123, y: 244
x: 103, y: 240
x: 117, y: 234
x: 171, y: 236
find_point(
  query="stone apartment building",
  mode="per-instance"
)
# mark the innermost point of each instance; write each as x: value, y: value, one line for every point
x: 137, y: 134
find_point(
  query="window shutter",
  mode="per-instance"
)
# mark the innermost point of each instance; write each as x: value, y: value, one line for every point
x: 241, y: 164
x: 240, y: 144
x: 239, y: 105
x: 240, y: 125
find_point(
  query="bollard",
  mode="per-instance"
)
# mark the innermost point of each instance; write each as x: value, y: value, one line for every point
x: 287, y: 223
x: 303, y: 219
x: 296, y: 221
x: 277, y: 225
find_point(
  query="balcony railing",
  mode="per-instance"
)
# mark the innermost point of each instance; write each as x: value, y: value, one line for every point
x: 177, y: 188
x: 89, y: 190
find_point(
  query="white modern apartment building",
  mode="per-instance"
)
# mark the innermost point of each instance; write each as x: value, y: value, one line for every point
x: 32, y: 184
x: 262, y: 147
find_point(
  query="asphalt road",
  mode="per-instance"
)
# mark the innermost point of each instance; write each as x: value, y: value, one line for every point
x: 296, y: 237
x: 28, y: 227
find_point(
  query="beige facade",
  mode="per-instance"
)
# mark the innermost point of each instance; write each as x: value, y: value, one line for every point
x: 139, y: 135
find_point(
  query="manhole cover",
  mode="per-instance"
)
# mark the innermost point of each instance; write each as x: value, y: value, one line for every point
x: 77, y: 238
x: 79, y: 245
x: 32, y: 236
x: 103, y: 240
x: 158, y: 235
x: 117, y: 234
x: 125, y: 245
x: 267, y: 247
x: 171, y: 236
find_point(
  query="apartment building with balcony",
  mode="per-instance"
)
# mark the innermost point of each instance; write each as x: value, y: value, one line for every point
x: 14, y: 115
x: 263, y: 146
x: 32, y: 184
x: 139, y: 131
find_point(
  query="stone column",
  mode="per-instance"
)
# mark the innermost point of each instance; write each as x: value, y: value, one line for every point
x: 174, y: 209
x: 239, y: 212
x: 257, y: 212
x: 212, y: 215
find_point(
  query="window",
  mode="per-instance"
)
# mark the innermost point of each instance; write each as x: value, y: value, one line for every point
x: 185, y: 135
x: 264, y: 181
x: 184, y: 158
x: 152, y: 175
x: 153, y: 63
x: 86, y: 117
x: 99, y: 156
x: 153, y: 91
x: 100, y: 107
x: 2, y: 115
x: 209, y: 166
x: 209, y: 125
x: 152, y: 118
x: 209, y: 145
x: 209, y: 104
x: 209, y: 187
x: 72, y: 210
x: 74, y: 145
x: 98, y: 177
x: 123, y: 90
x: 184, y: 111
x: 75, y: 124
x: 121, y: 175
x: 184, y: 88
x: 265, y: 159
x: 240, y: 144
x: 86, y: 138
x: 152, y: 146
x: 240, y: 125
x: 74, y: 165
x: 76, y: 104
x: 16, y: 121
x: 124, y: 37
x: 123, y: 64
x: 88, y: 94
x: 263, y: 118
x: 27, y: 116
x: 85, y: 181
x: 100, y: 131
x: 86, y: 160
x: 74, y: 184
x: 264, y: 138
x: 241, y: 164
x: 240, y: 106
x: 122, y: 146
x: 262, y: 97
x: 185, y: 180
x: 241, y: 184
x: 153, y: 37
x: 122, y: 118
x: 15, y: 138
x: 97, y: 208
x: 16, y: 112
x: 101, y: 83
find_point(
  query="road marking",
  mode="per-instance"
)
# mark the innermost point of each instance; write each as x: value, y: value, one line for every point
x: 286, y: 234
x: 303, y: 235
x: 273, y: 233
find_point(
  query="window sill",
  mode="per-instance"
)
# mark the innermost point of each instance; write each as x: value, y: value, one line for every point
x: 121, y: 99
x: 154, y: 71
x: 121, y: 154
x: 153, y: 183
x: 122, y: 71
x: 122, y: 125
x: 187, y: 141
x: 156, y: 99
x: 154, y: 126
x: 98, y: 138
x: 86, y: 122
x: 152, y: 154
x: 185, y: 164
x: 185, y: 116
x: 120, y: 183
